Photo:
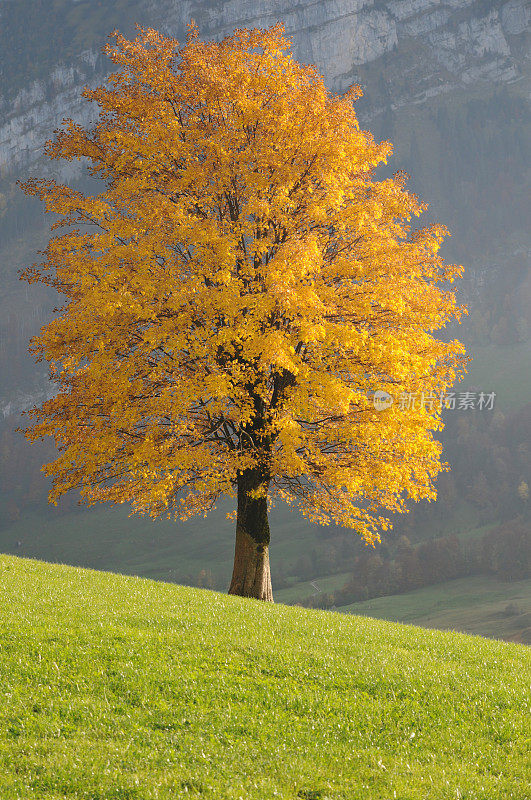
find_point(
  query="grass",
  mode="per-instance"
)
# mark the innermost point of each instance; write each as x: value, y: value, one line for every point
x: 108, y: 539
x: 300, y: 590
x: 477, y: 605
x: 119, y: 688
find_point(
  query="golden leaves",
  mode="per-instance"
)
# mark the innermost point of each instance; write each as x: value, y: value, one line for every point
x: 238, y: 290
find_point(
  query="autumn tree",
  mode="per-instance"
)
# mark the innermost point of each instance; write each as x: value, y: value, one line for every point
x: 234, y: 296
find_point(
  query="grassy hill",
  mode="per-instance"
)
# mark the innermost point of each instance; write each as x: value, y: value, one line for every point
x: 108, y: 539
x: 503, y: 370
x: 479, y: 604
x: 119, y: 688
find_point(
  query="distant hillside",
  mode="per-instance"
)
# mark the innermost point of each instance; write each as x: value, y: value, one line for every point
x: 118, y: 688
x: 475, y: 605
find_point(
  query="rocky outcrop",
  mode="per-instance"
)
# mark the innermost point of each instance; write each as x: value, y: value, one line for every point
x: 39, y: 109
x: 455, y: 43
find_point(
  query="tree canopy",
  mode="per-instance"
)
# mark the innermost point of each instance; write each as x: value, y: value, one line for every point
x: 236, y: 293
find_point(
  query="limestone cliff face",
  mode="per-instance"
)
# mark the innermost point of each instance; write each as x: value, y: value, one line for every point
x: 466, y: 37
x: 433, y: 45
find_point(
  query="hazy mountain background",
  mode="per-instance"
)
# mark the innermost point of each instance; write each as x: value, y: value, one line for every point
x: 448, y: 83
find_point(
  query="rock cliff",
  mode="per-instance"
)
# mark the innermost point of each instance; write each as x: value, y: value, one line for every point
x: 432, y: 45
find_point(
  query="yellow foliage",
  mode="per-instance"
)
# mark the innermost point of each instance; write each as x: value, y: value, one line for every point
x: 237, y: 291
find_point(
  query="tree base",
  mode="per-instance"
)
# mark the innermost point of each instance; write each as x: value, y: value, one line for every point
x: 251, y: 576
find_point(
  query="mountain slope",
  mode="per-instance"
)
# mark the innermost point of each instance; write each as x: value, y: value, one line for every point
x: 119, y: 687
x: 419, y: 48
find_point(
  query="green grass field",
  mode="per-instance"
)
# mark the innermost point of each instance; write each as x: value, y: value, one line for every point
x: 480, y: 605
x: 120, y: 688
x: 108, y: 539
x: 300, y: 590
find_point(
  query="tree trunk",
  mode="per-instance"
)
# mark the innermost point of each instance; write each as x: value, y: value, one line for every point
x: 251, y: 576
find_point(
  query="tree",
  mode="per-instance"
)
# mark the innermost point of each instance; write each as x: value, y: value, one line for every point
x: 523, y: 491
x: 235, y: 294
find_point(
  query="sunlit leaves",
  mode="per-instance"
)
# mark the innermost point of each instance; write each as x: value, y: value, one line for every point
x: 237, y: 291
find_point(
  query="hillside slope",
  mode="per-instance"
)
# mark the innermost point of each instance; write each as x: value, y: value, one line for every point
x: 118, y: 687
x: 479, y: 604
